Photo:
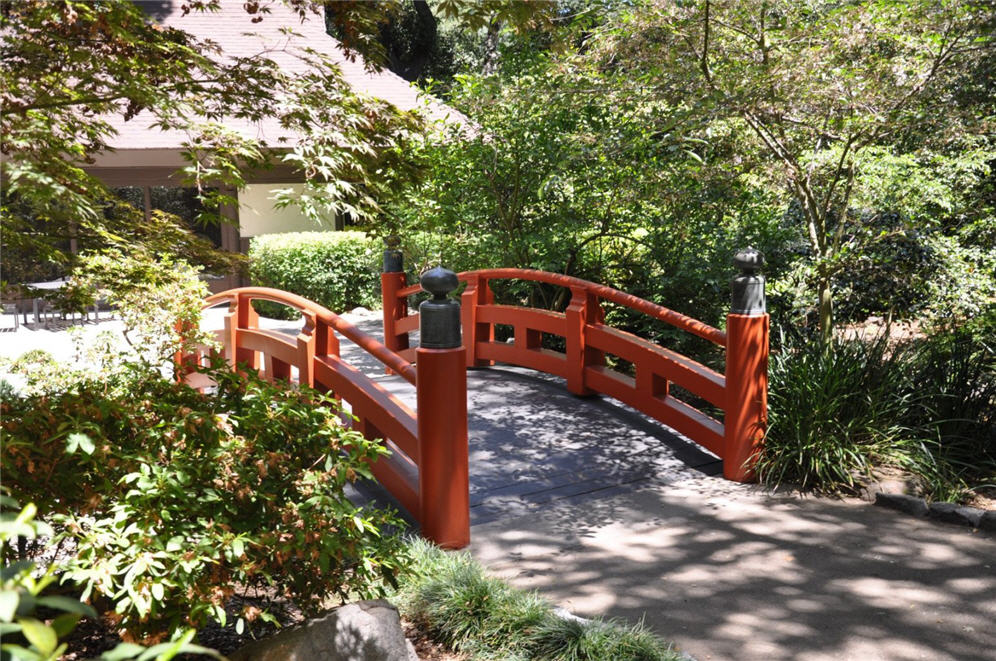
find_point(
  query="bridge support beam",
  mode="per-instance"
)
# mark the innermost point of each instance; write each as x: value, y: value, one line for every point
x: 746, y: 369
x: 441, y: 383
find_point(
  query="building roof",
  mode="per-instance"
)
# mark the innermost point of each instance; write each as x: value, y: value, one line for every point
x: 232, y: 29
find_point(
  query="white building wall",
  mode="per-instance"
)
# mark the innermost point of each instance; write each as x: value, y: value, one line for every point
x: 257, y: 215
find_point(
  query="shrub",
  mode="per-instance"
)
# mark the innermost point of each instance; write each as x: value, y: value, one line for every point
x: 25, y: 590
x: 955, y: 373
x: 173, y: 499
x: 340, y: 270
x: 834, y: 412
x: 154, y: 297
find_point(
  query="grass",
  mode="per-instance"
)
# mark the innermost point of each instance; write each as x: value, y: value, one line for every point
x: 450, y: 598
x: 926, y: 406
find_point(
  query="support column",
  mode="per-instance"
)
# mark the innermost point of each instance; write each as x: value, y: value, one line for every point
x: 393, y: 280
x: 441, y: 383
x: 746, y: 369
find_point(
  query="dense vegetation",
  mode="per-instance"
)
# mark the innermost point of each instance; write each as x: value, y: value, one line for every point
x: 641, y: 144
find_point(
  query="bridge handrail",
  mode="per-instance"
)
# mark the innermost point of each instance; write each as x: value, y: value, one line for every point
x: 603, y: 292
x: 365, y: 341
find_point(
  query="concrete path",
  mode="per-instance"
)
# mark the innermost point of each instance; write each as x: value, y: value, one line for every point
x: 607, y: 513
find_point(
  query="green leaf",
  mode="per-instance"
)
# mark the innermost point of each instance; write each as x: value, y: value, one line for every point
x: 18, y: 652
x: 12, y: 570
x: 158, y: 591
x: 40, y: 636
x: 69, y: 605
x: 7, y: 628
x: 122, y: 651
x: 8, y: 605
x: 65, y: 623
x: 80, y: 441
x: 238, y: 547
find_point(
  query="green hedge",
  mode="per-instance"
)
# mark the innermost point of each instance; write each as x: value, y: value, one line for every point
x: 340, y: 270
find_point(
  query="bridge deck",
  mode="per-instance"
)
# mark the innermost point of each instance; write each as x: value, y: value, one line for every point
x: 532, y: 442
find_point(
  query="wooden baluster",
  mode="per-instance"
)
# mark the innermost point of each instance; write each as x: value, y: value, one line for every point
x: 584, y: 309
x: 306, y: 351
x: 247, y: 319
x: 393, y: 280
x: 477, y: 293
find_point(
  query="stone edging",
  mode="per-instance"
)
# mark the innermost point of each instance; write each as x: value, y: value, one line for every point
x: 947, y: 512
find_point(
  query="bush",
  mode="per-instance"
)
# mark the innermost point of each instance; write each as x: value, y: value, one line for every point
x: 955, y: 373
x: 340, y: 270
x: 26, y: 591
x: 173, y: 499
x: 450, y: 597
x: 926, y: 405
x: 834, y: 412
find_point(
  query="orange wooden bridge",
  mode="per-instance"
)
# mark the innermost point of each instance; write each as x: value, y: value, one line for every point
x: 427, y: 471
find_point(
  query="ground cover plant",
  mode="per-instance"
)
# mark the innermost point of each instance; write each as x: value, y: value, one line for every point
x: 449, y: 596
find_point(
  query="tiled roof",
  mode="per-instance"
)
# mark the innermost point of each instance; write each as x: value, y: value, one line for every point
x: 232, y: 29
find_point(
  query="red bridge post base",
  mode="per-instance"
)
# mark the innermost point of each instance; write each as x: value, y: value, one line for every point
x: 747, y: 394
x: 746, y: 369
x: 443, y: 475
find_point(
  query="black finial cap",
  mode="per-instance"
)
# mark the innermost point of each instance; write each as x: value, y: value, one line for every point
x: 749, y: 260
x: 439, y: 282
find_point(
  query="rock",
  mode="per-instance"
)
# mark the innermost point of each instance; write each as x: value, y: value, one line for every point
x: 903, y: 503
x: 988, y: 521
x: 954, y: 513
x: 362, y: 631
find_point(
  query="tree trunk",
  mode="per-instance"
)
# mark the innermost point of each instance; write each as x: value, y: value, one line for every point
x: 825, y: 306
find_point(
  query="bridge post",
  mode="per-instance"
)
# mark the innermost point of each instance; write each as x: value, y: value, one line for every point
x: 583, y: 309
x: 476, y: 293
x: 393, y: 280
x: 245, y: 317
x: 441, y: 385
x: 746, y: 369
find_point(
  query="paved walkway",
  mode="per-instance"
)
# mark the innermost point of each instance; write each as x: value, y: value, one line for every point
x: 607, y: 513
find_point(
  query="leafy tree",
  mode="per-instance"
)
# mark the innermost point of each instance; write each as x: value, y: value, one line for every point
x: 351, y: 149
x: 564, y: 174
x: 818, y: 87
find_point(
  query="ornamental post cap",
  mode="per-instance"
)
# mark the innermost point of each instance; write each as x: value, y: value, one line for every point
x: 749, y: 260
x: 392, y: 242
x: 439, y: 282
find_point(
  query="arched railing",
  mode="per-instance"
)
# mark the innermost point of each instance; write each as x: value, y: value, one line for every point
x: 421, y: 451
x: 740, y: 392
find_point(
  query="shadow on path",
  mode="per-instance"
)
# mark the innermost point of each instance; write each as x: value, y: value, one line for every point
x: 608, y: 513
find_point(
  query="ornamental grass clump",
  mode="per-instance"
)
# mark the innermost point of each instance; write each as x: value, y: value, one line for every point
x: 449, y: 596
x: 926, y: 406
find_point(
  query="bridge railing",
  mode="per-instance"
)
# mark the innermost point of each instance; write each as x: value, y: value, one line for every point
x: 421, y: 450
x: 740, y: 392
